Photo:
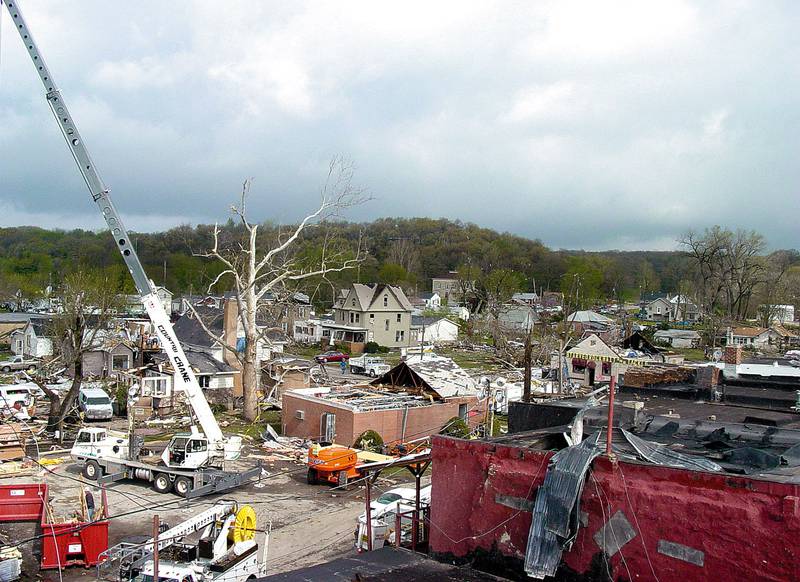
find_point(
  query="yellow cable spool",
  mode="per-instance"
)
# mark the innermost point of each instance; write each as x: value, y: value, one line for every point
x: 244, y: 528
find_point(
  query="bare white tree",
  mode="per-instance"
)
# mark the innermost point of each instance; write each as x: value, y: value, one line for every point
x: 269, y: 271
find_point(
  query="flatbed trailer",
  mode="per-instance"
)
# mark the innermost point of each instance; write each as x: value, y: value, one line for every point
x: 189, y: 483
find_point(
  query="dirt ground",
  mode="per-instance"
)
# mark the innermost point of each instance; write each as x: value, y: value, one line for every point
x: 310, y: 524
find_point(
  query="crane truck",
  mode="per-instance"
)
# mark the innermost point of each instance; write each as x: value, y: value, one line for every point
x: 191, y: 462
x: 217, y: 545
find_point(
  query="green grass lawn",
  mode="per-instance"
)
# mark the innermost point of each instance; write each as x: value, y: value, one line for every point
x: 694, y: 354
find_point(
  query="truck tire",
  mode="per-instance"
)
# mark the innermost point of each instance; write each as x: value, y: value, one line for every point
x: 92, y: 470
x: 312, y: 477
x: 342, y: 478
x: 6, y: 368
x: 161, y: 483
x: 372, y: 373
x: 32, y: 368
x: 182, y: 486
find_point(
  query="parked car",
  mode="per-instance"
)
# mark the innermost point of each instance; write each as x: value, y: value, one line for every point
x: 369, y: 365
x: 332, y: 356
x: 18, y: 363
x: 95, y: 404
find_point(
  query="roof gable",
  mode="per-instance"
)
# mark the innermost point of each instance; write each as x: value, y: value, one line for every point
x: 593, y: 345
x: 438, y: 374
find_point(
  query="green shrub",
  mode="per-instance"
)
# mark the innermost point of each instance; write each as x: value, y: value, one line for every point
x: 455, y: 427
x: 369, y: 441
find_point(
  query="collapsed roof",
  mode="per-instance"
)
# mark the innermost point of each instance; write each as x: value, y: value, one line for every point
x: 431, y: 373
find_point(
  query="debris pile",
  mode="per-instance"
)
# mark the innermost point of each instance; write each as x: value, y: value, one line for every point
x: 641, y: 377
x: 283, y: 448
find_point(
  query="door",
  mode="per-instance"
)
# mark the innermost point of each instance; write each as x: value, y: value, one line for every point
x: 196, y: 453
x: 327, y: 427
x: 591, y: 376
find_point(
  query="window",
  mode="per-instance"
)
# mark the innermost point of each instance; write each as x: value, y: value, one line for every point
x: 387, y: 498
x: 98, y: 400
x: 353, y: 302
x: 399, y: 317
x: 298, y: 329
x: 197, y: 446
x: 462, y: 411
x: 372, y: 316
x: 358, y: 317
x: 606, y: 368
x: 204, y: 381
x: 386, y: 301
x: 326, y: 333
x: 399, y: 335
x: 159, y: 387
x: 352, y: 317
x: 386, y: 325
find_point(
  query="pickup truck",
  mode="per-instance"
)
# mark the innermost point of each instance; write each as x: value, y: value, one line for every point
x: 369, y: 365
x: 17, y: 363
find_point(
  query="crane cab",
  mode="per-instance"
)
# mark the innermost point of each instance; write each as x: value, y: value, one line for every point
x: 187, y: 450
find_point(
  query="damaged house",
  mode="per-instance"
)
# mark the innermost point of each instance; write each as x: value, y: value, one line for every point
x: 415, y: 399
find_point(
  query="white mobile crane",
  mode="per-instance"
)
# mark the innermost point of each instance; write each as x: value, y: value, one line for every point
x: 216, y: 545
x: 192, y: 462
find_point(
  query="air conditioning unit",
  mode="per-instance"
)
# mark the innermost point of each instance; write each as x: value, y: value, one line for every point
x: 299, y: 414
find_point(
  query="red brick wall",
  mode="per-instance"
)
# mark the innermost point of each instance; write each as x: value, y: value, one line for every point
x: 309, y: 427
x: 733, y: 354
x: 421, y: 422
x: 747, y: 529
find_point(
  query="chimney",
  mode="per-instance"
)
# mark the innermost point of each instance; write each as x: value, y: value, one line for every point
x: 732, y: 359
x: 230, y: 325
x: 733, y: 354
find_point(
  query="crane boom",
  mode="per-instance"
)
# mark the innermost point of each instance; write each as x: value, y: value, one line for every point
x: 184, y: 378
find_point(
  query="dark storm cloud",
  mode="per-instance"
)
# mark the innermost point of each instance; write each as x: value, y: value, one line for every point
x: 595, y: 125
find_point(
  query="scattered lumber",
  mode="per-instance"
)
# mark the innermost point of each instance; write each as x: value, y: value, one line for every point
x: 12, y: 441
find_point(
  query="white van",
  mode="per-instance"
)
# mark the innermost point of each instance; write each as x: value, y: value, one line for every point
x: 95, y: 404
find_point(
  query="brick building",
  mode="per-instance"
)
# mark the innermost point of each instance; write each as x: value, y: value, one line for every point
x: 413, y: 400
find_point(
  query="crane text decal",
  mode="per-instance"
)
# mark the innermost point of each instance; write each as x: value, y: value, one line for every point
x: 179, y: 364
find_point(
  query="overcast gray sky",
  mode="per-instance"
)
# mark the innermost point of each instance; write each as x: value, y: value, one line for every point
x: 590, y: 125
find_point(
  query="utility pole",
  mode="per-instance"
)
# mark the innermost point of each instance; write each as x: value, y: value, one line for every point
x: 526, y: 381
x: 156, y: 528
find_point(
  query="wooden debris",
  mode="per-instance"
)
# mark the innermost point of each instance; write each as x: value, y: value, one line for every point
x: 641, y: 377
x: 12, y: 441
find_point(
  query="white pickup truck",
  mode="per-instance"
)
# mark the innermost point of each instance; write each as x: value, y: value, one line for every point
x: 369, y: 365
x: 18, y: 363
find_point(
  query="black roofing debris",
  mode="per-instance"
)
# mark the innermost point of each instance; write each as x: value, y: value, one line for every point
x: 387, y: 564
x: 752, y: 430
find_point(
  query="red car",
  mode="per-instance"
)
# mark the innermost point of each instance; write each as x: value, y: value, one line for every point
x: 331, y: 357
